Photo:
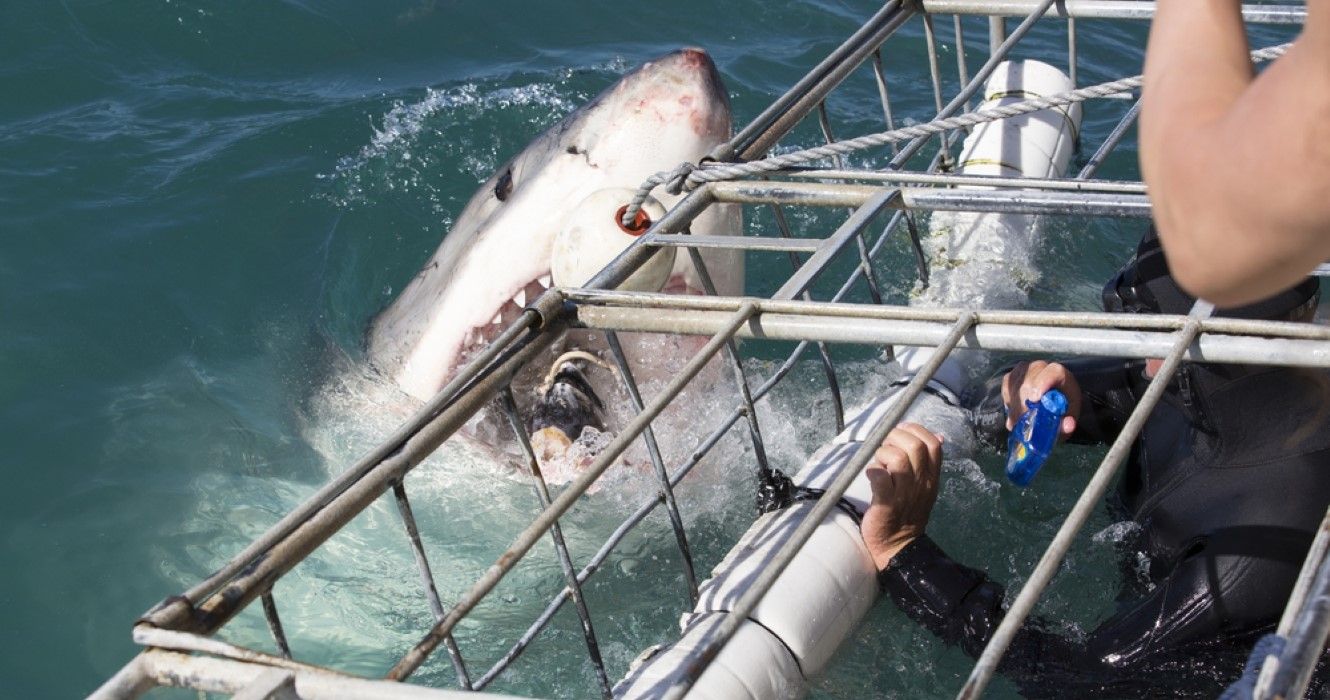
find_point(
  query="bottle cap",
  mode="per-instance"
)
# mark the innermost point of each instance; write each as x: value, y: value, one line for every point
x: 1054, y: 402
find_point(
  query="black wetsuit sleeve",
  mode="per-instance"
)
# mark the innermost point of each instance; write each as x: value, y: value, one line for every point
x: 1195, y: 606
x: 1110, y: 389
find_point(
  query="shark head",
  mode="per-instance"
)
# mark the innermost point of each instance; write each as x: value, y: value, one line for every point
x: 497, y: 256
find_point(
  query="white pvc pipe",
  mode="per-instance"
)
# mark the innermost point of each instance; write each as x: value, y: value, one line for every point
x: 831, y: 584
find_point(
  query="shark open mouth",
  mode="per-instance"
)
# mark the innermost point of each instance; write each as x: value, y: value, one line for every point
x: 477, y: 337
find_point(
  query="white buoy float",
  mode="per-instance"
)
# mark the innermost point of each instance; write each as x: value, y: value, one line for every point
x: 595, y: 235
x: 830, y: 585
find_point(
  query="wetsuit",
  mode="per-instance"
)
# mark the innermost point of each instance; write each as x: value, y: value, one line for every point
x: 1229, y: 480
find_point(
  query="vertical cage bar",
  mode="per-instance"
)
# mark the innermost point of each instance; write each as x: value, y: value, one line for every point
x: 935, y: 74
x: 1071, y: 52
x: 765, y: 474
x: 556, y: 535
x: 543, y: 521
x: 1094, y: 491
x: 824, y: 353
x: 880, y: 76
x: 427, y: 580
x: 874, y: 292
x: 1307, y: 642
x: 1316, y: 558
x: 997, y: 33
x: 275, y: 624
x: 702, y: 449
x: 1110, y: 142
x: 657, y: 463
x: 978, y: 80
x: 962, y: 70
x: 754, y: 140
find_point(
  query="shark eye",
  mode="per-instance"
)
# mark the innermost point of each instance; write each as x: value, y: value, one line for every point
x: 504, y: 187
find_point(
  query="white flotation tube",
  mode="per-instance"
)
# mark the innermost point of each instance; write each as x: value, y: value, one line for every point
x: 830, y: 585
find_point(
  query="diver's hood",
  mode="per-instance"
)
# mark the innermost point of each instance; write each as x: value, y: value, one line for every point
x: 1203, y: 391
x: 1145, y: 285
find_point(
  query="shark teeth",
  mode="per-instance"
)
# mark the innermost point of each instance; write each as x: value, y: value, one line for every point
x: 506, y: 313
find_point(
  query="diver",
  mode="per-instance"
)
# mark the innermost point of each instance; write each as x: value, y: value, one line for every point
x: 1228, y: 481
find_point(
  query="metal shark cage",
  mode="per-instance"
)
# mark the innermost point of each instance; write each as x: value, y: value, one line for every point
x: 180, y: 635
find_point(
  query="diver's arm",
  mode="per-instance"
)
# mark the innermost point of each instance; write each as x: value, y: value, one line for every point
x: 1238, y: 167
x: 903, y: 473
x: 1217, y: 598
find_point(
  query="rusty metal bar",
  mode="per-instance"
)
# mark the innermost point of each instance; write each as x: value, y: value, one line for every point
x: 275, y: 624
x: 427, y: 580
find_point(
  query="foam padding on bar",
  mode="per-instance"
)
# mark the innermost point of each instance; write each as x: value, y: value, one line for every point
x: 755, y: 665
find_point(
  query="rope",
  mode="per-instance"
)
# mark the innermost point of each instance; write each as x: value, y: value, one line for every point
x: 546, y: 385
x: 689, y: 175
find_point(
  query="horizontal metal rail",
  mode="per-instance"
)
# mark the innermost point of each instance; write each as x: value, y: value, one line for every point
x: 961, y: 180
x: 933, y: 199
x: 1102, y: 9
x: 158, y: 667
x: 1065, y: 340
x: 765, y: 243
x: 584, y: 298
x: 151, y: 637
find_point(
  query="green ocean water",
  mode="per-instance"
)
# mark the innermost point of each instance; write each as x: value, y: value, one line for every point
x: 203, y: 204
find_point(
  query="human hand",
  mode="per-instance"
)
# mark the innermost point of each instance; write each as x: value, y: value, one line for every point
x: 1029, y: 381
x: 904, y: 475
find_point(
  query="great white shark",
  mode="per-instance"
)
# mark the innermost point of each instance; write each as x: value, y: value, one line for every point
x: 528, y: 222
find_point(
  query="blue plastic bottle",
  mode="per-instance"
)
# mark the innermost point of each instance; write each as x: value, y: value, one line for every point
x: 1033, y: 437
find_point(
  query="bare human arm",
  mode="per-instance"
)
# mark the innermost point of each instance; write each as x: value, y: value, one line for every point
x: 1238, y: 168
